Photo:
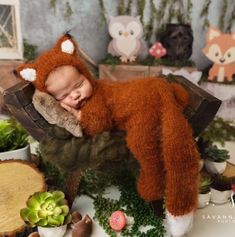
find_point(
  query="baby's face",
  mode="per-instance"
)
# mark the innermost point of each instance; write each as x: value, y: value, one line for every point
x: 68, y: 86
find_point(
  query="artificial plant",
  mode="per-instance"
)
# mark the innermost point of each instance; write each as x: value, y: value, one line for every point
x: 213, y: 153
x: 219, y: 131
x: 12, y: 135
x: 46, y: 209
x: 221, y: 183
x: 205, y: 183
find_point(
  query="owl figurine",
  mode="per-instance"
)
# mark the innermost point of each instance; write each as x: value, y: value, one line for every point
x: 126, y: 32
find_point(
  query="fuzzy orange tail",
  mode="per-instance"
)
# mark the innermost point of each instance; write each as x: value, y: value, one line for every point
x: 181, y: 95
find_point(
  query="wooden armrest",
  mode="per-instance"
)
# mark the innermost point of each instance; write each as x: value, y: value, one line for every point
x: 202, y: 105
x: 18, y: 100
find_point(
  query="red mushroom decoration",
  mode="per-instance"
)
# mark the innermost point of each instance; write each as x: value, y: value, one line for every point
x: 157, y: 50
x: 117, y: 220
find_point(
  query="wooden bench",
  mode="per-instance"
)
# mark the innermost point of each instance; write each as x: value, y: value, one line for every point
x: 18, y: 100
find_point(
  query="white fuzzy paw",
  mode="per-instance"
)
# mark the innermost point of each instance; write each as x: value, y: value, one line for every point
x: 179, y: 225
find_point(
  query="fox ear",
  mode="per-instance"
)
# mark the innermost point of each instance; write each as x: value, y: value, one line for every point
x: 28, y: 74
x: 67, y: 46
x: 213, y: 33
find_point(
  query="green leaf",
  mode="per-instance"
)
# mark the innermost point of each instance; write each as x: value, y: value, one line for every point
x: 57, y: 211
x: 60, y: 219
x: 43, y: 222
x: 65, y: 210
x: 55, y: 221
x: 33, y: 203
x: 24, y: 213
x: 33, y: 218
x: 58, y: 196
x: 68, y: 219
x: 42, y: 214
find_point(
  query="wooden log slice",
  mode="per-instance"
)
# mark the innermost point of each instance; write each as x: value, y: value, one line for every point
x: 19, y: 180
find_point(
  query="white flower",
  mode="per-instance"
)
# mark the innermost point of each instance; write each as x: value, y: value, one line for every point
x: 28, y: 74
x: 67, y: 47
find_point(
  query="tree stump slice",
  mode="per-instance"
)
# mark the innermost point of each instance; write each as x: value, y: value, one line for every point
x: 19, y: 180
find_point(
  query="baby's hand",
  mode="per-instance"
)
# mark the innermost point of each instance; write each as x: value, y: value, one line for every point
x: 75, y: 112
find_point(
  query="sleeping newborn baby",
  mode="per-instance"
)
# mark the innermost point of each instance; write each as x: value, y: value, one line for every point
x: 149, y: 110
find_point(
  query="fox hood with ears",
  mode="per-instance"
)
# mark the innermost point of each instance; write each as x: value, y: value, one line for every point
x: 65, y: 52
x: 220, y: 47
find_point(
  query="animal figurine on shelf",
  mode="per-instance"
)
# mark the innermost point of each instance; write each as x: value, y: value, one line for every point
x: 126, y: 32
x: 220, y: 49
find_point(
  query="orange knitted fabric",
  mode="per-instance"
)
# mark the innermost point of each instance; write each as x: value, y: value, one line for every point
x: 157, y: 134
x: 150, y: 111
x: 53, y: 58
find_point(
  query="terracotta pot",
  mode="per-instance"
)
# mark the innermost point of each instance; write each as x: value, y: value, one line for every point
x: 22, y: 154
x: 52, y: 231
x: 203, y: 199
x: 220, y: 197
x: 215, y: 167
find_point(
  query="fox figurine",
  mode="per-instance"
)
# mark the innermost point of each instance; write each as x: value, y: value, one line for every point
x: 220, y: 49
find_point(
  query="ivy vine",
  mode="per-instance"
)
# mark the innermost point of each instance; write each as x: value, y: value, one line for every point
x: 129, y: 202
x: 68, y: 12
x: 219, y: 131
x: 231, y: 20
x: 223, y: 13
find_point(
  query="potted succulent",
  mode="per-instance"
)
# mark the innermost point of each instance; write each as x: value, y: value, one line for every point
x: 220, y: 189
x: 13, y: 141
x: 216, y: 158
x: 204, y: 191
x: 49, y: 212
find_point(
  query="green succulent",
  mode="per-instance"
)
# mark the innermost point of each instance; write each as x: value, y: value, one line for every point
x: 46, y: 209
x: 215, y: 154
x: 205, y: 183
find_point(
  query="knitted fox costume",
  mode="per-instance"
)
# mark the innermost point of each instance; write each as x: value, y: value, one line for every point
x: 158, y: 135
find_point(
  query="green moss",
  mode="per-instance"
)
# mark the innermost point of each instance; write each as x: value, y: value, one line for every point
x: 129, y: 202
x: 109, y: 59
x: 150, y: 61
x: 30, y: 51
x: 55, y: 176
x: 166, y: 62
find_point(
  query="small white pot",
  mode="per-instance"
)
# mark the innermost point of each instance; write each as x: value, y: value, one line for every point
x: 52, y: 231
x: 203, y: 199
x: 220, y: 197
x: 215, y: 167
x: 22, y: 154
